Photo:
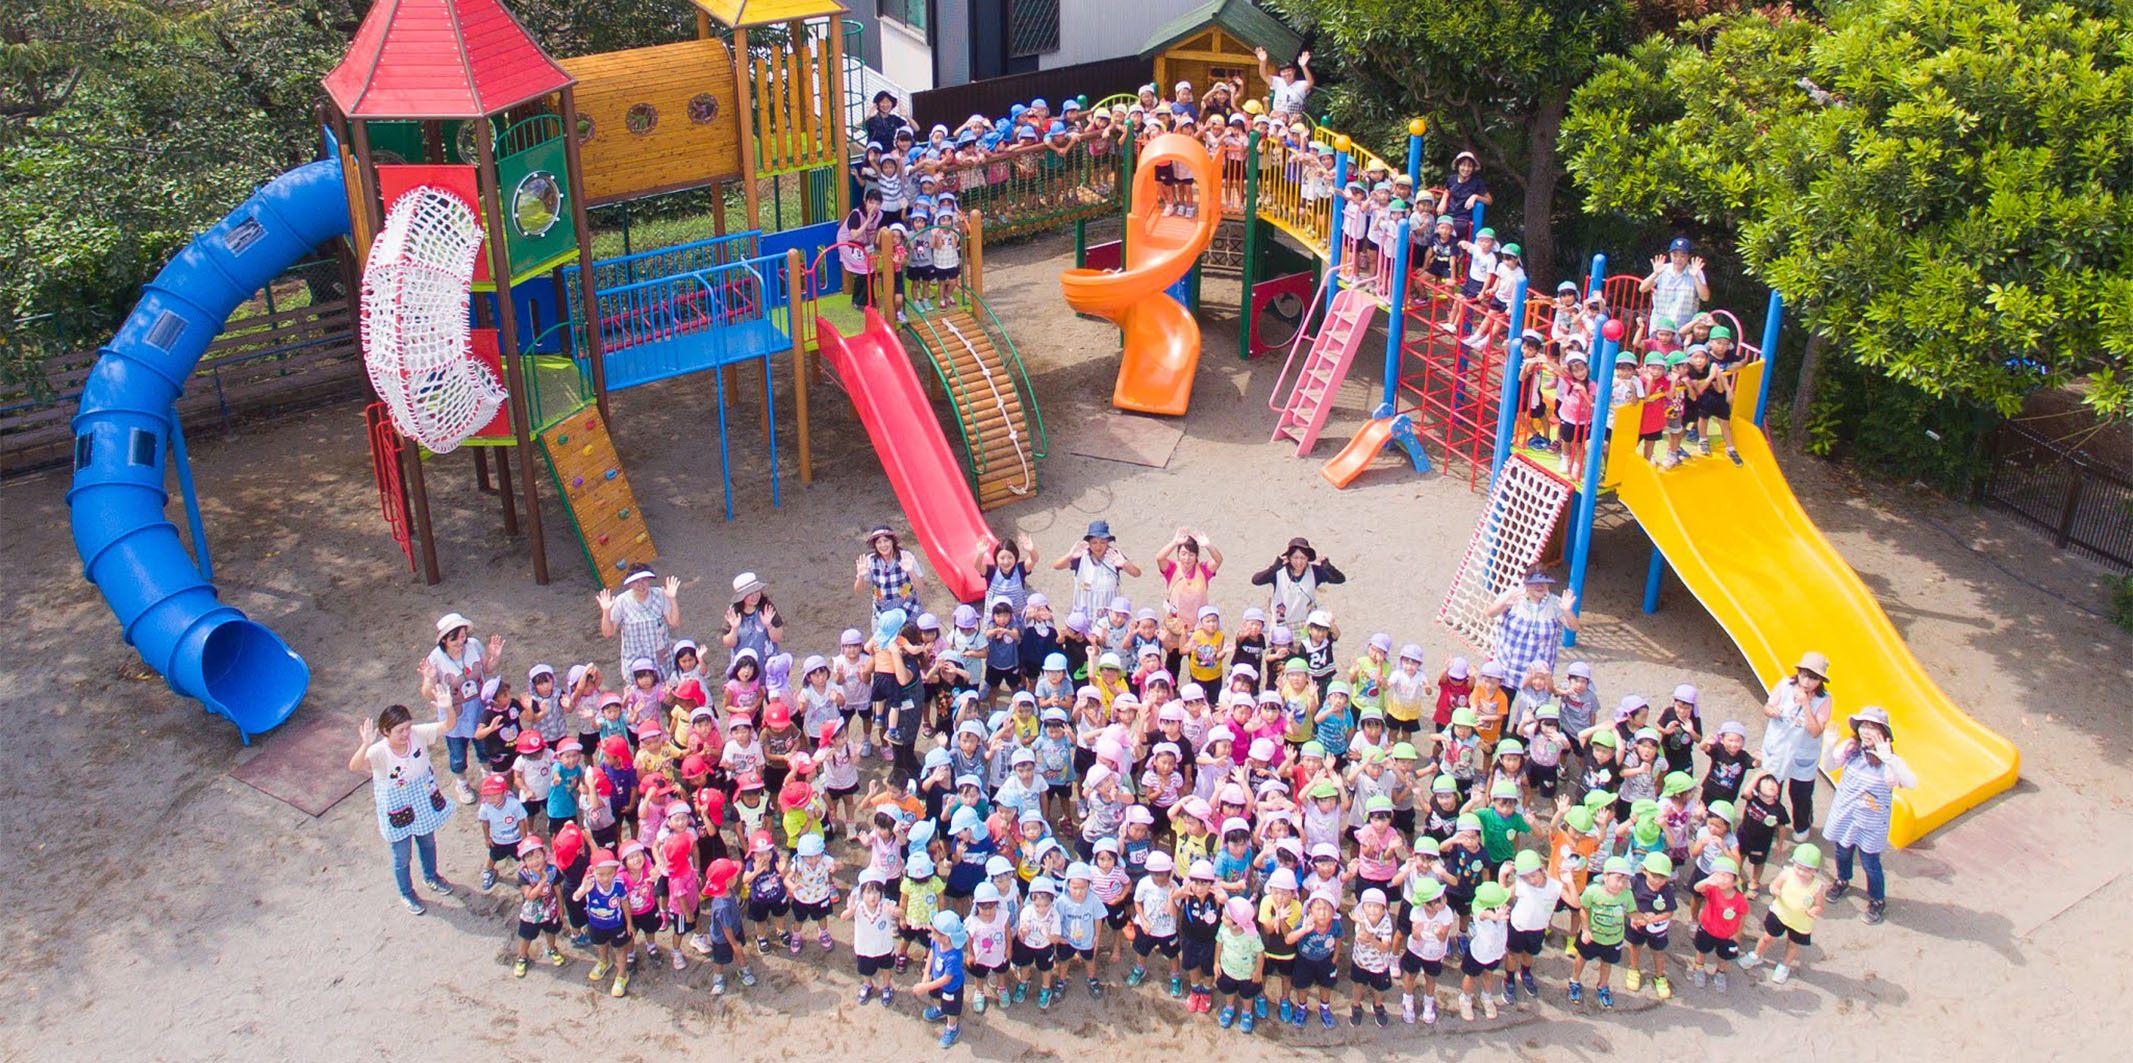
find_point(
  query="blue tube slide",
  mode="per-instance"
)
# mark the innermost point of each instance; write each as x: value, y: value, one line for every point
x: 129, y: 548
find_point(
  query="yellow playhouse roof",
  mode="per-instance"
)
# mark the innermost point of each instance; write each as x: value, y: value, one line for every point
x: 738, y: 13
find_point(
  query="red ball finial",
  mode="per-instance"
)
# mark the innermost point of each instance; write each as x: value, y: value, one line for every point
x: 1613, y: 330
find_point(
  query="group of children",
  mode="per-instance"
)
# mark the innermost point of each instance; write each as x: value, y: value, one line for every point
x: 1249, y: 815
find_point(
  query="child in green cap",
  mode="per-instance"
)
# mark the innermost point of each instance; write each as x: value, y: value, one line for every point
x: 1488, y: 932
x: 1501, y: 823
x: 1603, y: 922
x: 1534, y: 897
x: 1796, y: 898
x: 1654, y: 891
x: 1724, y: 909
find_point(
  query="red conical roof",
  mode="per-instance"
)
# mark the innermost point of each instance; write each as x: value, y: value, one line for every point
x: 441, y: 59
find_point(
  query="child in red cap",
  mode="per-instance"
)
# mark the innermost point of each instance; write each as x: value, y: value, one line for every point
x: 640, y: 880
x: 539, y: 907
x: 503, y: 824
x: 573, y: 858
x: 798, y: 801
x: 677, y: 865
x: 837, y: 767
x: 607, y: 918
x: 769, y: 904
x: 617, y: 767
x: 781, y: 738
x: 722, y: 939
x: 533, y: 775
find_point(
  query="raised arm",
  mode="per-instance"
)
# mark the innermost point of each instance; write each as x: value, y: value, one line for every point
x: 366, y: 733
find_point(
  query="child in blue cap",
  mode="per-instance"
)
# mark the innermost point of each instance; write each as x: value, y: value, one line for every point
x: 944, y: 974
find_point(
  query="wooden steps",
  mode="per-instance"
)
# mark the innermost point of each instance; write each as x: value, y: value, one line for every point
x: 996, y: 428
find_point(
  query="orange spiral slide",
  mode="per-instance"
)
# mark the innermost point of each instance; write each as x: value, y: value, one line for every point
x: 1162, y: 341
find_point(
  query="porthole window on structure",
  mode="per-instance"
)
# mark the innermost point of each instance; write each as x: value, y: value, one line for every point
x: 640, y: 118
x: 703, y: 108
x: 585, y: 129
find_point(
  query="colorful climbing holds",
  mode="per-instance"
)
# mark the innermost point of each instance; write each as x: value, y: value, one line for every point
x: 612, y: 473
x: 562, y: 441
x: 577, y: 481
x: 603, y: 540
x: 624, y: 514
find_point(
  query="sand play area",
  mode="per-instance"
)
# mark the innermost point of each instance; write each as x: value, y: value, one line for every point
x: 161, y: 908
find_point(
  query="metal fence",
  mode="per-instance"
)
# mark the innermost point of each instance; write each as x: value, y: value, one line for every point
x: 2081, y: 502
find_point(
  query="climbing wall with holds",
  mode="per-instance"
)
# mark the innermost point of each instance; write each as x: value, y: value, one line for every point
x: 602, y: 507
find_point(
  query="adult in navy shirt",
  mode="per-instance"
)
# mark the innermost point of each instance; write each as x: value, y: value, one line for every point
x: 1464, y: 192
x: 881, y: 126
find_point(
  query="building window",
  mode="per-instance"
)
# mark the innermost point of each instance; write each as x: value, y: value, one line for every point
x: 1032, y: 27
x: 912, y: 13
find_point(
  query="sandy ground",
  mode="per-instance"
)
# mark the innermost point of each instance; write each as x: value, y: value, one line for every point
x: 160, y: 909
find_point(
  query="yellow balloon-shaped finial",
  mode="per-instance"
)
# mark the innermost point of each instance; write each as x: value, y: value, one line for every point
x: 1342, y: 143
x: 1416, y: 127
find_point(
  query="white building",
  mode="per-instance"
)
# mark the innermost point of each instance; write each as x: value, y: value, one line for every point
x: 924, y: 44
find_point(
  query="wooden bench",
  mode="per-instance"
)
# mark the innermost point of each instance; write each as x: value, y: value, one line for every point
x: 265, y: 366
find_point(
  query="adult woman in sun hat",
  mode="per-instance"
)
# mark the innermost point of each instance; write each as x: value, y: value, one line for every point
x: 1097, y: 563
x: 1295, y: 576
x: 453, y: 674
x: 752, y: 621
x: 1868, y: 775
x: 644, y: 615
x: 394, y: 751
x: 1533, y: 621
x: 1798, y: 712
x: 889, y: 573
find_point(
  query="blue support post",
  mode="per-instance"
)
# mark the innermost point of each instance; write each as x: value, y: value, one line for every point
x: 1514, y: 360
x: 1597, y: 279
x: 1414, y: 154
x: 1396, y: 327
x: 1481, y: 218
x: 1651, y: 581
x: 1589, y: 494
x: 1333, y: 240
x: 725, y: 458
x: 201, y: 560
x: 1771, y: 319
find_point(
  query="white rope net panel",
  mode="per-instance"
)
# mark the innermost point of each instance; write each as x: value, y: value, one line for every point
x: 1524, y: 504
x: 416, y: 342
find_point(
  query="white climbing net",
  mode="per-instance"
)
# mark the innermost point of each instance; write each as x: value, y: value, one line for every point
x: 1524, y: 504
x: 1013, y: 434
x: 416, y: 343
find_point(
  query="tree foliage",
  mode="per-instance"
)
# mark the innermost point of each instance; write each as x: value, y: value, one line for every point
x: 1489, y: 76
x: 1939, y: 186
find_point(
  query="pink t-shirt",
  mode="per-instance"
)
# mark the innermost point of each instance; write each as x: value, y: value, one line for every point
x: 1186, y: 588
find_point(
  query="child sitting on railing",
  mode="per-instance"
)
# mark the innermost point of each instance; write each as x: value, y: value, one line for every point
x: 1496, y: 292
x: 1317, y: 170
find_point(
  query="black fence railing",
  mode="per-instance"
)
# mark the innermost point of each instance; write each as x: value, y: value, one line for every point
x: 2078, y: 500
x: 993, y: 96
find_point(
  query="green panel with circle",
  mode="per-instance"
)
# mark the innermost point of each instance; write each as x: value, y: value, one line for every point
x: 537, y: 225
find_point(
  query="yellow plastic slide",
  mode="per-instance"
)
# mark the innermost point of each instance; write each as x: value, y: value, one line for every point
x: 1162, y: 341
x: 1738, y: 538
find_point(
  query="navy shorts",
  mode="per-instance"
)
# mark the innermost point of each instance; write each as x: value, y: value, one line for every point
x: 1527, y: 942
x: 1146, y: 944
x: 528, y: 931
x: 1593, y: 950
x: 1307, y: 973
x: 619, y: 934
x: 1413, y: 964
x: 1645, y: 939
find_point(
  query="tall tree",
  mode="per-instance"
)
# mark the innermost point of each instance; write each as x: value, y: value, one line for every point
x: 1939, y: 186
x: 1490, y: 76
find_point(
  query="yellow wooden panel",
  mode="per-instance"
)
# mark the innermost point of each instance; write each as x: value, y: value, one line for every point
x: 678, y: 150
x: 602, y: 507
x: 765, y: 12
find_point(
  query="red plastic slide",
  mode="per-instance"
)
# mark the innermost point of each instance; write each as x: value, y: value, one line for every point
x: 914, y: 451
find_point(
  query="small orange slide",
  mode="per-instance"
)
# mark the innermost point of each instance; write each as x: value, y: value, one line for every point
x: 1356, y: 456
x: 1162, y: 341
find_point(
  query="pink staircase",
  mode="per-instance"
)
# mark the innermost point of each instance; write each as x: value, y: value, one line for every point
x: 1310, y: 398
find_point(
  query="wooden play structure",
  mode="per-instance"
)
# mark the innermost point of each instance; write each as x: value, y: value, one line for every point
x: 1216, y: 40
x: 976, y: 366
x: 455, y: 96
